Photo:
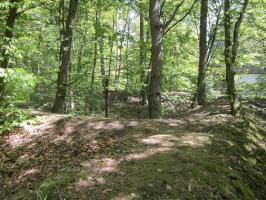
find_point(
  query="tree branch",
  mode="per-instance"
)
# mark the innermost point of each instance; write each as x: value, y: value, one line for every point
x: 30, y: 8
x: 213, y: 36
x: 188, y: 12
x: 162, y: 6
x: 172, y: 17
x: 236, y: 30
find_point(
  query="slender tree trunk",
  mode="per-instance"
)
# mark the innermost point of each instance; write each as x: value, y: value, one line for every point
x: 154, y: 96
x: 102, y: 61
x: 121, y: 50
x: 117, y: 46
x: 94, y: 65
x: 127, y: 58
x: 95, y: 48
x: 230, y: 52
x: 81, y: 50
x: 203, y: 47
x: 95, y: 56
x: 107, y: 83
x: 62, y: 28
x: 209, y: 54
x: 65, y: 51
x: 105, y: 80
x: 228, y: 57
x: 142, y: 60
x: 10, y: 23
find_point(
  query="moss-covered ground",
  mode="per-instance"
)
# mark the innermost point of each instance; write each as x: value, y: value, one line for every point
x: 201, y: 154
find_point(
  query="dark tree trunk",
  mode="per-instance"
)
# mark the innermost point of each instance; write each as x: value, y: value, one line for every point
x: 230, y: 52
x: 142, y: 59
x: 102, y: 61
x: 94, y: 64
x: 120, y: 64
x: 154, y: 96
x: 228, y: 57
x: 203, y: 48
x: 65, y: 51
x: 95, y: 56
x: 95, y: 48
x: 105, y: 80
x: 10, y: 23
x: 117, y: 46
x: 127, y: 57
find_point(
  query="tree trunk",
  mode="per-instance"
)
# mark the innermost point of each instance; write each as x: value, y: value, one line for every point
x: 102, y: 61
x: 230, y: 52
x: 154, y: 96
x: 95, y: 48
x: 119, y: 69
x: 65, y: 46
x: 127, y: 57
x: 203, y: 47
x: 105, y: 80
x: 228, y: 57
x: 142, y: 60
x: 94, y: 64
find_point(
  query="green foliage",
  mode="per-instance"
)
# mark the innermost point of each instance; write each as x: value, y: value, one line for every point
x: 253, y: 90
x: 34, y: 48
x: 19, y: 84
x: 11, y: 117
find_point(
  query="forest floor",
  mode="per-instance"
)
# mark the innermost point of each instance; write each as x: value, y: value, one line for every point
x: 201, y: 154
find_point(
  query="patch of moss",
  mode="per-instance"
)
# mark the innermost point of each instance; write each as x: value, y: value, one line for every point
x: 243, y: 189
x: 49, y: 189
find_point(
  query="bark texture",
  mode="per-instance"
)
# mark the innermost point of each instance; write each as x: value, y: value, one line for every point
x: 65, y: 51
x: 154, y: 95
x: 231, y: 49
x: 203, y: 50
x: 142, y: 59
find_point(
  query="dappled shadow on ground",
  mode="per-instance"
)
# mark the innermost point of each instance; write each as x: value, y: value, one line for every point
x: 196, y: 155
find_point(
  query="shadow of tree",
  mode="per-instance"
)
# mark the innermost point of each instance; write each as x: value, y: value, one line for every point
x: 197, y: 155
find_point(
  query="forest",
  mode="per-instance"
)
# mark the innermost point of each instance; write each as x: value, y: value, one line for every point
x: 132, y: 99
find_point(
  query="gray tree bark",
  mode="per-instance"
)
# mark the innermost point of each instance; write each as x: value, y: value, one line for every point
x: 65, y: 52
x: 230, y: 51
x: 154, y: 94
x: 203, y: 48
x: 142, y: 59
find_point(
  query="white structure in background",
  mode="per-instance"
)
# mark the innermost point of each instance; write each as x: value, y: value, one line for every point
x: 247, y: 78
x: 249, y: 74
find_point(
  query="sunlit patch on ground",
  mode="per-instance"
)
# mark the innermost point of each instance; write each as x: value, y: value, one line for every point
x: 106, y: 125
x: 104, y: 165
x: 26, y: 174
x: 127, y: 197
x: 87, y: 182
x: 145, y: 154
x: 24, y: 158
x: 161, y: 140
x: 195, y: 139
x: 132, y: 159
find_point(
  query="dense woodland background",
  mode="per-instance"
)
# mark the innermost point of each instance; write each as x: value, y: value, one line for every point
x: 83, y: 56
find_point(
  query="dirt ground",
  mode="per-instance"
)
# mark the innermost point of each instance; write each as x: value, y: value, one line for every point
x: 203, y: 154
